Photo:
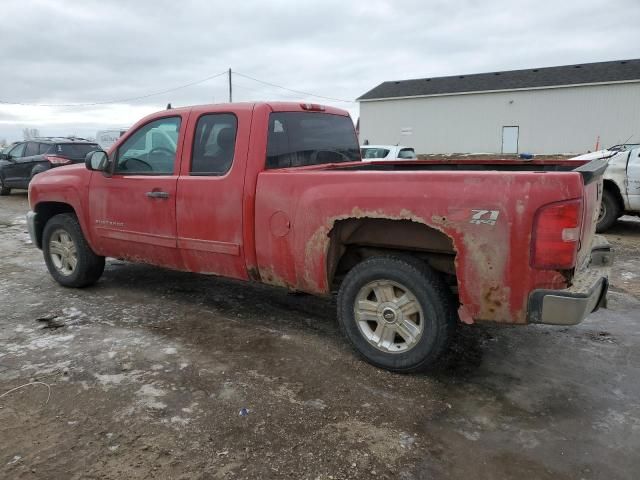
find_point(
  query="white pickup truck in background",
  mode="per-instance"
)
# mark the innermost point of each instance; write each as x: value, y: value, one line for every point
x: 621, y: 194
x: 106, y: 138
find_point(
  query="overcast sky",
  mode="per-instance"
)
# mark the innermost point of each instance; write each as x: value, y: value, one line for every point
x: 61, y: 52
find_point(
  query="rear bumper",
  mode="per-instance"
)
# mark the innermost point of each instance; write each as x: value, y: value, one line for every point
x: 586, y: 295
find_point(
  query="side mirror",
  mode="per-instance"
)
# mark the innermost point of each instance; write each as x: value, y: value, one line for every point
x: 4, y: 156
x: 96, y: 160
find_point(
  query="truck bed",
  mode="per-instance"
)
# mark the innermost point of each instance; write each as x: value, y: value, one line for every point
x: 482, y: 220
x: 541, y: 166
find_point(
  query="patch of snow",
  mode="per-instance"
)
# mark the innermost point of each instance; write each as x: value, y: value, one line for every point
x: 148, y: 397
x: 108, y: 379
x: 316, y: 403
x: 473, y: 436
x: 180, y: 420
x: 406, y: 440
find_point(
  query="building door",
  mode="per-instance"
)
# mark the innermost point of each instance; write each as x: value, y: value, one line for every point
x: 510, y: 139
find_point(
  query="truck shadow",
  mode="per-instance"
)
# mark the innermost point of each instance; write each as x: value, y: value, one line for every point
x: 271, y: 308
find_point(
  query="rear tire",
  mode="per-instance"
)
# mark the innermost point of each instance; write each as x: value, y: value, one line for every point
x: 69, y: 259
x: 397, y: 313
x: 609, y: 212
x: 4, y: 190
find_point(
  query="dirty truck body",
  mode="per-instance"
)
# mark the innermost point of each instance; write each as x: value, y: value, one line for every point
x: 411, y: 247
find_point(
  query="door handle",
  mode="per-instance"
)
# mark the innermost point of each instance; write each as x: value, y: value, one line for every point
x: 157, y: 194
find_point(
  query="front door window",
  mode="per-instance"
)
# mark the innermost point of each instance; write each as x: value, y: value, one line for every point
x: 17, y: 151
x: 151, y: 150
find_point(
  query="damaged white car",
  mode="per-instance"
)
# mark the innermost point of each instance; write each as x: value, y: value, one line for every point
x: 621, y: 194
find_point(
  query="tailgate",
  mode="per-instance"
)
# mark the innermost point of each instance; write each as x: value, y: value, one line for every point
x: 592, y: 178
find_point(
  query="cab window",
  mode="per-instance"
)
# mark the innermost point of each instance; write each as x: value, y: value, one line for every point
x: 214, y: 144
x: 298, y: 139
x: 151, y: 150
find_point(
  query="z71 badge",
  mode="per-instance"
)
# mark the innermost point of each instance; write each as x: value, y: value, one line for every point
x: 487, y: 217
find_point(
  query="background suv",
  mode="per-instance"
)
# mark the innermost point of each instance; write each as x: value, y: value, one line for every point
x: 24, y: 160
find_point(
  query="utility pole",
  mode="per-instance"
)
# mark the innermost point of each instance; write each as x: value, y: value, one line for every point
x: 230, y: 88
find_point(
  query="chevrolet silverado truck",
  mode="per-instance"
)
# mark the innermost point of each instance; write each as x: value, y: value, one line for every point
x: 277, y: 193
x: 621, y: 183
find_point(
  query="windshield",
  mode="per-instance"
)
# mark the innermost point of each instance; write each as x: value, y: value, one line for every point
x: 373, y: 152
x: 297, y: 139
x: 74, y: 151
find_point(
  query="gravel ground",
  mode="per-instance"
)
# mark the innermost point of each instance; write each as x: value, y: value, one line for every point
x: 160, y: 374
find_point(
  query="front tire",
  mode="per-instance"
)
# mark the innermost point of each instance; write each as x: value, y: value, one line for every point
x: 397, y: 313
x: 609, y: 212
x: 3, y: 189
x: 69, y: 259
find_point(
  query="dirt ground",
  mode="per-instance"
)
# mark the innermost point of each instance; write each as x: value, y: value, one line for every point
x: 149, y: 371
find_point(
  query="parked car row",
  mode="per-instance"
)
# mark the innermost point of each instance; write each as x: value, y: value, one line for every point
x: 21, y: 161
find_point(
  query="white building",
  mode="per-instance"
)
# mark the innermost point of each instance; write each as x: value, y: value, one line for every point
x: 542, y: 110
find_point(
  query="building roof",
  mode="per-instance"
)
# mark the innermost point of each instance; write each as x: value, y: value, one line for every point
x: 585, y: 73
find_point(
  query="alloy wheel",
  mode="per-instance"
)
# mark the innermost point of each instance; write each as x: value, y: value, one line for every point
x: 389, y: 316
x: 63, y: 252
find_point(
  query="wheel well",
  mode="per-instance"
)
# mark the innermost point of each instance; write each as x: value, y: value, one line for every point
x: 611, y: 187
x: 353, y: 240
x: 45, y: 211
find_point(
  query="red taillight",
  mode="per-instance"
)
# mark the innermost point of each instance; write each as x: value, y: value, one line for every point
x: 57, y: 160
x: 312, y: 107
x: 556, y: 235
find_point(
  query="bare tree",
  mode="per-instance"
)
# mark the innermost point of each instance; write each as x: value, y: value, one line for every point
x: 29, y: 133
x: 3, y: 142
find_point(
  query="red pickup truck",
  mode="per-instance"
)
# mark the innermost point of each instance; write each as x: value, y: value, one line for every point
x: 276, y: 193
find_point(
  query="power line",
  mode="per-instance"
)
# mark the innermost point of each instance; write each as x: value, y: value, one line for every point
x: 300, y: 92
x: 264, y: 91
x: 121, y: 100
x: 173, y: 89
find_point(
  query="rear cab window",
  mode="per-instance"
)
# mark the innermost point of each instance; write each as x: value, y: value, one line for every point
x: 297, y: 139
